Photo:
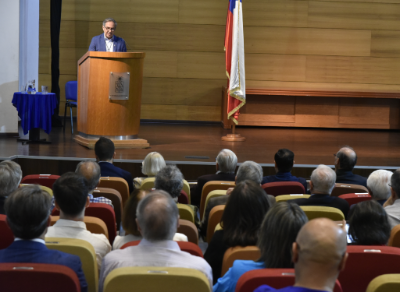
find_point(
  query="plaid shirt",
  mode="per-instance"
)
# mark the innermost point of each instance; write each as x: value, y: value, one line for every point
x: 100, y: 200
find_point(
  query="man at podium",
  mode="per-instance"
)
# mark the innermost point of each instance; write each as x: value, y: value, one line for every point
x: 108, y: 42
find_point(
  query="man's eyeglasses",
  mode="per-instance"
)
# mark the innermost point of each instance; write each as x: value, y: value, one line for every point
x: 110, y: 28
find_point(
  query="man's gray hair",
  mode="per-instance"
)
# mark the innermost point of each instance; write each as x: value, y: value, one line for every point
x: 323, y: 179
x: 10, y: 177
x: 227, y: 161
x: 169, y: 179
x: 108, y: 20
x: 91, y: 171
x: 249, y: 170
x: 157, y: 215
x: 378, y: 183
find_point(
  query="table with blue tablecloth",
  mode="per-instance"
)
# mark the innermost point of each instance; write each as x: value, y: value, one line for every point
x: 35, y: 112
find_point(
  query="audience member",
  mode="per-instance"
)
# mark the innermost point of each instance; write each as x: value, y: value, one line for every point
x: 91, y: 171
x: 392, y: 205
x: 284, y: 160
x: 226, y: 165
x: 10, y: 178
x: 129, y: 223
x: 345, y: 160
x: 28, y: 215
x: 105, y: 154
x: 152, y: 164
x: 157, y: 218
x: 378, y: 185
x: 369, y: 224
x: 71, y: 199
x: 241, y: 221
x: 248, y: 170
x: 322, y: 182
x: 277, y: 234
x: 319, y: 254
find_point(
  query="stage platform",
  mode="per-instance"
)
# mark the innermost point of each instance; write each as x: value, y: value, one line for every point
x: 194, y: 147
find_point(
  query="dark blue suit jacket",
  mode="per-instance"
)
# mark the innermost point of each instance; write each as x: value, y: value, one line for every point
x: 109, y: 169
x: 347, y: 177
x: 98, y: 44
x: 26, y: 251
x: 284, y: 176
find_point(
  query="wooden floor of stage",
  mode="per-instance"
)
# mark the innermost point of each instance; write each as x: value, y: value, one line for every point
x: 184, y: 143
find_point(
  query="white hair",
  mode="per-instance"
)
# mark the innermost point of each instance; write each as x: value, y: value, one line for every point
x: 249, y: 170
x: 378, y: 183
x: 227, y: 161
x: 153, y: 163
x: 10, y: 177
x: 323, y: 179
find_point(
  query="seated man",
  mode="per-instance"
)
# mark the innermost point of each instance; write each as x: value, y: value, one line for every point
x: 378, y: 184
x: 91, y: 171
x: 345, y: 160
x: 157, y: 218
x: 225, y: 165
x: 284, y: 160
x: 10, y: 178
x: 71, y: 199
x: 105, y: 153
x: 319, y: 254
x: 28, y: 215
x: 392, y: 205
x: 322, y: 182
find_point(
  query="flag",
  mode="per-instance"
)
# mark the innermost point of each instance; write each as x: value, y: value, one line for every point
x: 234, y: 59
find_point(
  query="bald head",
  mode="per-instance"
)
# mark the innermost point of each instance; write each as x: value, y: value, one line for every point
x: 91, y: 171
x: 347, y: 158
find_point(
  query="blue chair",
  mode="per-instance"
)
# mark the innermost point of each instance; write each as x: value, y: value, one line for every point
x: 71, y: 96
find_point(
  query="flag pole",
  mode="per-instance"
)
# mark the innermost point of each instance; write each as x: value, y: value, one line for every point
x: 233, y: 137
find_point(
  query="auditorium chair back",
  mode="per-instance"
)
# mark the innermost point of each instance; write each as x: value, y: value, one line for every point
x: 44, y: 188
x: 46, y: 180
x: 189, y: 229
x: 341, y: 189
x: 38, y: 277
x: 283, y: 188
x: 214, y: 218
x: 211, y: 186
x: 7, y: 237
x: 365, y: 263
x: 116, y: 200
x: 285, y: 198
x: 118, y: 184
x: 313, y: 212
x: 239, y: 253
x: 189, y: 247
x: 186, y: 212
x: 385, y: 283
x: 355, y: 198
x: 394, y: 239
x: 213, y: 194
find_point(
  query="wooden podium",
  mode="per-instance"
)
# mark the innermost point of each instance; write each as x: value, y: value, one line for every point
x: 99, y: 114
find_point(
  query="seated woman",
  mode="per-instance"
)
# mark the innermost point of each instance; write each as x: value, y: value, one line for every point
x: 241, y: 221
x: 152, y: 163
x: 369, y: 224
x: 277, y: 234
x: 129, y: 221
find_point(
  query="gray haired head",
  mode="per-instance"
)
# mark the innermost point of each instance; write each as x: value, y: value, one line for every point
x: 108, y: 20
x: 378, y: 184
x: 170, y: 180
x: 249, y: 170
x: 227, y: 161
x: 10, y: 177
x: 323, y: 179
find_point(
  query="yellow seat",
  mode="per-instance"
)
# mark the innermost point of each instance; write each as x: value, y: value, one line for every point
x: 151, y: 279
x: 394, y: 239
x: 284, y: 198
x: 85, y: 251
x: 385, y: 283
x: 239, y: 253
x: 148, y: 184
x: 213, y: 194
x: 93, y: 224
x: 213, y: 220
x: 47, y: 189
x: 186, y: 212
x: 313, y: 212
x: 118, y: 184
x: 218, y: 227
x: 211, y: 186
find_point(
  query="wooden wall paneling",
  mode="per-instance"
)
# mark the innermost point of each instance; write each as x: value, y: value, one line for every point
x: 161, y: 64
x: 201, y: 65
x: 307, y: 41
x: 44, y: 9
x: 394, y: 118
x: 181, y: 112
x: 69, y: 58
x: 275, y: 13
x: 385, y: 43
x: 149, y: 11
x: 353, y: 69
x: 182, y: 91
x: 203, y: 12
x: 44, y: 33
x: 364, y: 111
x: 275, y: 67
x: 351, y: 15
x: 44, y: 60
x: 316, y: 111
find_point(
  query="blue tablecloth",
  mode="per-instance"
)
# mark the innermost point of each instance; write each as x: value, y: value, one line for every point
x: 35, y: 110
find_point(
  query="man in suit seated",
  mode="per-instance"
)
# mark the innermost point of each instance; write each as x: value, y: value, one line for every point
x: 157, y: 219
x: 28, y: 215
x: 107, y: 41
x: 319, y: 255
x: 225, y: 165
x: 10, y: 178
x: 71, y: 198
x: 284, y: 160
x: 345, y: 160
x: 322, y: 182
x: 105, y: 153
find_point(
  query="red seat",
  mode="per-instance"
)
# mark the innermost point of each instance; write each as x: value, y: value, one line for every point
x: 366, y: 263
x: 283, y: 188
x: 46, y: 180
x: 183, y: 198
x: 189, y: 247
x: 103, y: 211
x: 355, y: 198
x: 38, y: 277
x: 276, y: 278
x: 7, y: 237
